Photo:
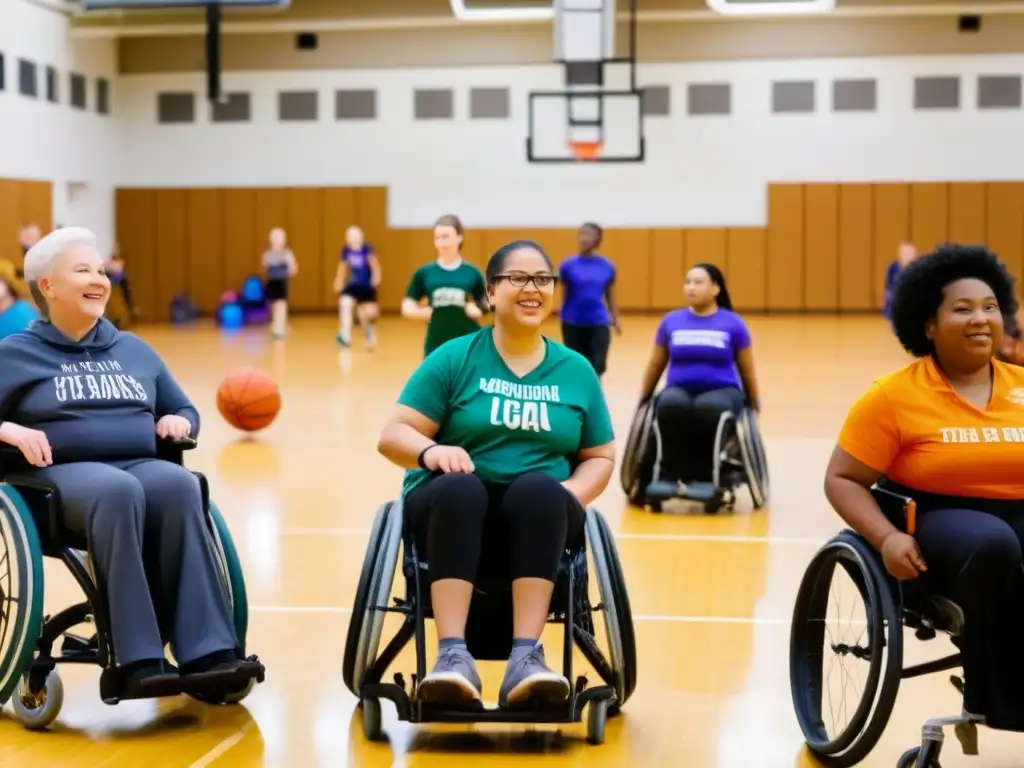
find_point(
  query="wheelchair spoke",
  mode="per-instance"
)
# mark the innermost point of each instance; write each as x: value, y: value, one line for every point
x: 845, y: 650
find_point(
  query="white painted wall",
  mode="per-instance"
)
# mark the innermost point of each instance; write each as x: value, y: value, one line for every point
x: 53, y: 142
x: 708, y: 171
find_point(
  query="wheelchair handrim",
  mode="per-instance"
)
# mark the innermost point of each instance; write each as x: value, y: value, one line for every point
x: 595, y: 541
x: 636, y: 448
x: 756, y: 475
x: 232, y: 572
x: 379, y: 591
x: 15, y: 515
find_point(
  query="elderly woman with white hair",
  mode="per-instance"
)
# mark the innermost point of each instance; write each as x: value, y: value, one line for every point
x: 85, y: 405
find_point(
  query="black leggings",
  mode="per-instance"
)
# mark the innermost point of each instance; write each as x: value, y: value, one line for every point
x: 591, y: 341
x: 471, y: 530
x: 687, y: 425
x: 974, y: 558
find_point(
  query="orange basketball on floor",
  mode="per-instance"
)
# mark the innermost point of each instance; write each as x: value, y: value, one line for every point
x: 249, y: 399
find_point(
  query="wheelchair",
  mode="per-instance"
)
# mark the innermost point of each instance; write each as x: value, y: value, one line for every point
x: 488, y: 631
x: 890, y: 606
x: 30, y: 529
x: 741, y: 461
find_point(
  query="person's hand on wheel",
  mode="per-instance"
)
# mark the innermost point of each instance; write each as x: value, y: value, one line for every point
x: 448, y: 459
x: 172, y: 427
x: 902, y: 557
x: 32, y: 443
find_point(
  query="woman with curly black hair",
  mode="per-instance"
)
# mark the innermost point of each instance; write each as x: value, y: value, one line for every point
x: 948, y: 430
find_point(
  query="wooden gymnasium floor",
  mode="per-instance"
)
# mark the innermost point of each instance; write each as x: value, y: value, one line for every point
x: 712, y: 595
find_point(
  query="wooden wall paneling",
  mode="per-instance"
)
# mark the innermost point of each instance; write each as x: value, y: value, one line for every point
x: 703, y: 245
x: 821, y: 247
x: 10, y: 221
x: 967, y: 213
x: 37, y: 204
x: 371, y: 213
x: 408, y: 250
x: 304, y: 221
x: 242, y: 246
x: 630, y: 251
x: 338, y: 214
x: 747, y: 261
x: 668, y: 261
x: 172, y: 259
x: 559, y: 243
x: 929, y: 215
x: 207, y: 260
x: 1004, y: 225
x: 856, y: 271
x: 135, y: 218
x: 785, y: 267
x: 891, y: 219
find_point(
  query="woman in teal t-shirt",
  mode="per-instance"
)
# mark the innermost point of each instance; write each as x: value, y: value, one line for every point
x: 16, y: 314
x: 507, y: 439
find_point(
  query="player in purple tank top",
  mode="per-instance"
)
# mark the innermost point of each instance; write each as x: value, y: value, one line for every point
x: 706, y: 348
x: 356, y: 283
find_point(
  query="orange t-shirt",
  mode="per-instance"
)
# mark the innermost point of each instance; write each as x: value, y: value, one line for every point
x: 913, y: 427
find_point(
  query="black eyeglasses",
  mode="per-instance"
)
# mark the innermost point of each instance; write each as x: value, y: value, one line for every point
x: 520, y: 280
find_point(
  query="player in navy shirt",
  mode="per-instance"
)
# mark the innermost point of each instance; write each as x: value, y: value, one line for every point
x: 357, y: 281
x: 589, y: 308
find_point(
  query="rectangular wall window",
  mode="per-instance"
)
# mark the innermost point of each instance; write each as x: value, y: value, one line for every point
x: 709, y: 99
x: 174, y: 108
x: 355, y: 105
x: 937, y: 93
x: 490, y: 104
x: 236, y: 108
x: 27, y: 79
x: 78, y: 97
x: 102, y: 96
x: 298, y: 106
x: 796, y: 96
x: 999, y: 92
x: 52, y: 94
x: 434, y: 104
x: 656, y: 101
x: 854, y: 96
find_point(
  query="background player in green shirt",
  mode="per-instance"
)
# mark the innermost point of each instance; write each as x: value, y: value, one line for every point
x: 455, y: 290
x: 507, y: 438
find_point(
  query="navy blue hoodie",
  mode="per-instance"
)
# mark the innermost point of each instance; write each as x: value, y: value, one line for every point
x: 97, y: 399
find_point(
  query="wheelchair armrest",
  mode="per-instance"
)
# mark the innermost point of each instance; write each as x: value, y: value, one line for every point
x: 888, y: 499
x: 173, y: 450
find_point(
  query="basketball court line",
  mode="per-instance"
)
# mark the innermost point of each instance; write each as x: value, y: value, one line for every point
x: 723, y: 539
x: 220, y: 750
x: 341, y: 610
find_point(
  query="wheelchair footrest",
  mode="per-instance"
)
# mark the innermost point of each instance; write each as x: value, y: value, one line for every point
x: 701, y: 492
x: 568, y: 712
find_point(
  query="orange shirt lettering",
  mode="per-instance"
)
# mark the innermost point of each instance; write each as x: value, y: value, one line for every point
x: 913, y: 427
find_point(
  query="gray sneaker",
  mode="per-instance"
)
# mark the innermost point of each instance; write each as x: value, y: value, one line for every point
x: 528, y: 679
x: 453, y: 680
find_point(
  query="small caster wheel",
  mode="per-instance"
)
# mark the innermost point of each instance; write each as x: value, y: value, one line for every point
x: 925, y: 756
x: 38, y: 710
x: 372, y: 726
x: 597, y: 717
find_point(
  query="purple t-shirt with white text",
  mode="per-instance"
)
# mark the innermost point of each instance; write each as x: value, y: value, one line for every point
x: 702, y: 349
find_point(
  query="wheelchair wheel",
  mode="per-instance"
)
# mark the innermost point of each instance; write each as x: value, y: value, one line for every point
x: 873, y: 651
x: 372, y: 593
x: 234, y: 581
x: 21, y: 590
x: 618, y: 616
x: 232, y: 574
x: 755, y: 462
x: 637, y: 467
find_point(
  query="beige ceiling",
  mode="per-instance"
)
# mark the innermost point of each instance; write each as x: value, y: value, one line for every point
x: 324, y: 15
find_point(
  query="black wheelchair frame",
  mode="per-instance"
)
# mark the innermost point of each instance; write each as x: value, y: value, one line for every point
x: 59, y: 543
x: 642, y: 457
x: 891, y: 606
x: 488, y: 632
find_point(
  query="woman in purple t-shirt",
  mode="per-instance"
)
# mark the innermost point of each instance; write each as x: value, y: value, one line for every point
x: 706, y: 348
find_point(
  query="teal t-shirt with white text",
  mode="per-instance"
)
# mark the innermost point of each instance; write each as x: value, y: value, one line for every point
x: 509, y: 425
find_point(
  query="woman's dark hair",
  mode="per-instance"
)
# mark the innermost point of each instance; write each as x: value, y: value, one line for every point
x: 724, y: 300
x: 449, y: 220
x: 496, y: 264
x: 921, y: 286
x: 597, y: 228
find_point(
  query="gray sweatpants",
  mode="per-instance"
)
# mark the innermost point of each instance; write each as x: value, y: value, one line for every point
x: 147, y: 533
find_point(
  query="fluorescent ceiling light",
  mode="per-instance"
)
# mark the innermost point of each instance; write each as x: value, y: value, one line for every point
x: 770, y: 8
x: 463, y: 13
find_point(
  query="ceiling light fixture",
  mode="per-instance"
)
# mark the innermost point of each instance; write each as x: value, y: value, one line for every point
x: 462, y: 13
x: 770, y: 8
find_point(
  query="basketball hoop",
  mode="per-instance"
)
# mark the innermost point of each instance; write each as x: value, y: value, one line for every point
x: 585, y: 150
